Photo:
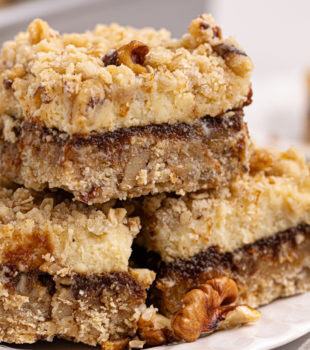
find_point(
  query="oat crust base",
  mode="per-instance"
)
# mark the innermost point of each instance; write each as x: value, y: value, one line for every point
x: 130, y: 162
x: 99, y: 309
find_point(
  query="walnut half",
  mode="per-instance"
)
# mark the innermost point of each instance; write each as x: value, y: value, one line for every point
x: 205, y: 310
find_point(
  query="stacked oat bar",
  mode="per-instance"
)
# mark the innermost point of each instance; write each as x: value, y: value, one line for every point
x: 122, y: 135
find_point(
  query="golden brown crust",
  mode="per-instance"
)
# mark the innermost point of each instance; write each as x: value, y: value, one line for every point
x: 129, y: 162
x: 106, y: 80
x: 95, y: 309
x: 64, y: 270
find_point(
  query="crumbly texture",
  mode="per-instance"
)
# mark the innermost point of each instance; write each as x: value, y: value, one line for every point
x: 273, y: 197
x: 64, y: 270
x: 101, y: 309
x: 272, y: 267
x: 130, y: 162
x: 41, y: 230
x: 116, y: 77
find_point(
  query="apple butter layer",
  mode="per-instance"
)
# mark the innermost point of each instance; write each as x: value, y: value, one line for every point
x: 209, y: 153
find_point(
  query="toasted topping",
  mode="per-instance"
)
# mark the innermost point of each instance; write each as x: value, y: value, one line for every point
x: 143, y: 75
x: 38, y: 31
x: 204, y: 308
x: 45, y: 231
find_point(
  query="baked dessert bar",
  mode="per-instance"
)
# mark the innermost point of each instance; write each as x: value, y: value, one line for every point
x: 256, y: 232
x: 64, y: 271
x: 120, y: 112
x: 132, y: 162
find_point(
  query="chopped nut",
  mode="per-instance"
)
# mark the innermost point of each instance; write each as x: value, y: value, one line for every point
x: 91, y: 96
x: 7, y: 83
x: 133, y: 56
x: 240, y: 315
x: 136, y: 344
x: 138, y: 54
x: 115, y: 345
x: 225, y: 49
x: 217, y: 32
x: 145, y: 276
x: 206, y: 307
x: 235, y: 58
x: 40, y: 96
x: 204, y: 25
x: 154, y: 328
x: 94, y: 101
x: 111, y: 58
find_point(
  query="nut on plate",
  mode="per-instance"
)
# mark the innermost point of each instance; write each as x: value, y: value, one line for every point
x: 206, y: 309
x: 115, y: 345
x: 154, y: 328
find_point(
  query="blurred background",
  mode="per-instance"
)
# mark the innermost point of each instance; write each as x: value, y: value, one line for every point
x: 273, y: 32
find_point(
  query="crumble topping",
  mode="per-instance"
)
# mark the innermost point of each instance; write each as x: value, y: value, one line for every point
x: 116, y: 77
x: 41, y: 229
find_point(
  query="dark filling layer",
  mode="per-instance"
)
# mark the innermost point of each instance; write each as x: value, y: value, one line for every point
x: 212, y: 258
x: 265, y: 270
x: 115, y: 140
x: 82, y: 286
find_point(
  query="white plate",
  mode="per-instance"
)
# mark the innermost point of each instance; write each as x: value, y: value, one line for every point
x: 282, y: 322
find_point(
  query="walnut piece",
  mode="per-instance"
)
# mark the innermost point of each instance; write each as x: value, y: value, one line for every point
x: 154, y: 328
x: 133, y: 56
x: 240, y: 315
x: 111, y: 59
x: 115, y: 345
x: 7, y: 83
x: 224, y: 49
x: 205, y: 309
x: 234, y: 57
